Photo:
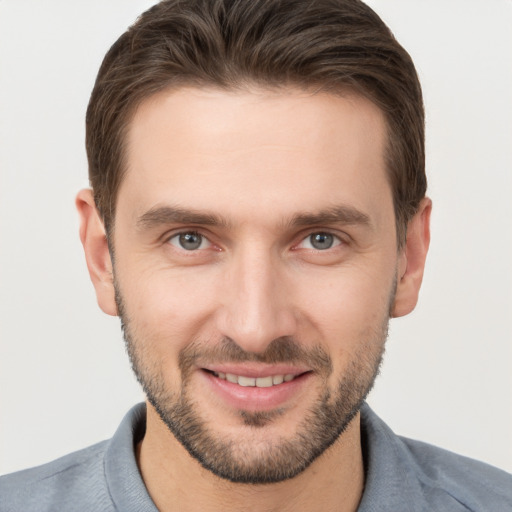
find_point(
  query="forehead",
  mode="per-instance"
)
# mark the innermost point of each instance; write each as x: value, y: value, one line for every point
x: 272, y: 149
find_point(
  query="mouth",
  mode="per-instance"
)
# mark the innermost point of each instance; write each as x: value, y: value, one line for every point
x: 252, y: 389
x: 258, y: 382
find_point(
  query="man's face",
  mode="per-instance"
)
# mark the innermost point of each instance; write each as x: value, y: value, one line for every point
x: 255, y: 269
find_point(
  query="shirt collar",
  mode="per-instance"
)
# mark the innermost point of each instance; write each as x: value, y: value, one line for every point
x: 124, y: 481
x: 390, y: 484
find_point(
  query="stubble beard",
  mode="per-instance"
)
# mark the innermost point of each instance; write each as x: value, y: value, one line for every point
x: 258, y: 461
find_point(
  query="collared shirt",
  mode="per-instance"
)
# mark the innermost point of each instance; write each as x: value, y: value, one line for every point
x: 400, y: 475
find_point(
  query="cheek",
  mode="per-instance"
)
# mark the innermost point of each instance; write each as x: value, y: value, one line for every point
x: 349, y: 310
x: 348, y: 292
x: 166, y: 309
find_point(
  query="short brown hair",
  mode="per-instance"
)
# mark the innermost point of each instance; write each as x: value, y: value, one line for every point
x: 330, y: 45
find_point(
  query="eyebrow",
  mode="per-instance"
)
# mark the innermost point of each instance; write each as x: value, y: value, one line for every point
x: 163, y: 215
x: 347, y: 215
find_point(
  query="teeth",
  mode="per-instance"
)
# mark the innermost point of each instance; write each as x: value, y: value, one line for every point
x: 263, y: 382
x: 260, y: 382
x: 246, y: 381
x: 277, y: 379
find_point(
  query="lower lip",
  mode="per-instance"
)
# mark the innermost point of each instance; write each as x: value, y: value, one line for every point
x: 252, y: 398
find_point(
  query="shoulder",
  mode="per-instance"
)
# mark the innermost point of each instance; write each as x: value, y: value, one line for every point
x: 472, y: 483
x: 407, y: 475
x: 103, y: 477
x: 74, y: 479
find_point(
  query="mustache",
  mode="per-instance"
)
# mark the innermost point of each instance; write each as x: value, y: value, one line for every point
x: 280, y: 350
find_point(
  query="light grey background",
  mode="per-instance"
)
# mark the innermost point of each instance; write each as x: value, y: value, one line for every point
x: 64, y: 378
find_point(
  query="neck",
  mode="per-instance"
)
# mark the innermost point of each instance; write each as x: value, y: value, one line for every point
x: 177, y: 482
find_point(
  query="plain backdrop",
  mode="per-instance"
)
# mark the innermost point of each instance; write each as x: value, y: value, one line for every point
x: 65, y: 381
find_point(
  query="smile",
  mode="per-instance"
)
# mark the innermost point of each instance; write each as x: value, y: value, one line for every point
x: 259, y: 382
x: 252, y: 387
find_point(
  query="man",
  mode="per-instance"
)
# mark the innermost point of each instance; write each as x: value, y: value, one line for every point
x: 257, y: 215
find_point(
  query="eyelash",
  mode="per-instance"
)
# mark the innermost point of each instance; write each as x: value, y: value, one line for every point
x: 336, y: 241
x: 191, y: 233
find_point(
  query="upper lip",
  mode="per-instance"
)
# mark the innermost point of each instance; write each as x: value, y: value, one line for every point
x: 256, y: 370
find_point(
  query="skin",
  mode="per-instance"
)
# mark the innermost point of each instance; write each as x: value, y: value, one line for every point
x: 258, y: 159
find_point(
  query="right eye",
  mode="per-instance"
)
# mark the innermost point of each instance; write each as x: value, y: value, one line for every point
x: 320, y: 241
x: 190, y: 241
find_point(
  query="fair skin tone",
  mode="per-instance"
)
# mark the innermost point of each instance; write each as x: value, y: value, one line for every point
x: 265, y: 170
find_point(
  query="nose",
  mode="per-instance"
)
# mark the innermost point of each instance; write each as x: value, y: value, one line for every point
x: 257, y: 306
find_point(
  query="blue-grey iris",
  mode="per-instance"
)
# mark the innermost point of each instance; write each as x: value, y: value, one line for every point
x: 190, y: 240
x: 321, y: 240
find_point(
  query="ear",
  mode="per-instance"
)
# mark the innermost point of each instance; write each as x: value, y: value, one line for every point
x: 97, y: 255
x: 411, y: 261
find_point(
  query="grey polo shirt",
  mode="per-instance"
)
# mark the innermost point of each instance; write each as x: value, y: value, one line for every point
x: 401, y: 475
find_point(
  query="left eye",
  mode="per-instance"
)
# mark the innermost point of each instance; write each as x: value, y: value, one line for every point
x: 190, y: 241
x: 320, y: 241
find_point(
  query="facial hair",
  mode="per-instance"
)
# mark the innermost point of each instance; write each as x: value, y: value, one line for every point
x: 258, y: 461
